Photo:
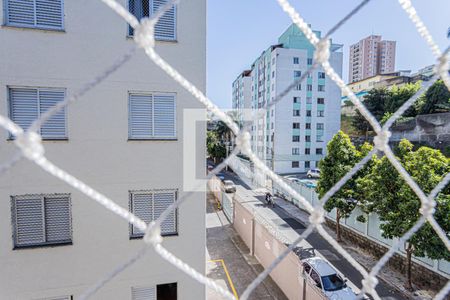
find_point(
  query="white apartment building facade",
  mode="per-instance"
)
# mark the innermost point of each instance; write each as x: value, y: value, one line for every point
x: 293, y: 134
x: 241, y: 94
x: 124, y: 138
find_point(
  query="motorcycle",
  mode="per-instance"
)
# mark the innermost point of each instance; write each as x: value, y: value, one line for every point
x: 269, y: 200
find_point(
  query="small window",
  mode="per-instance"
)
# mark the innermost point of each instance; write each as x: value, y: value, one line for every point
x: 151, y: 116
x: 165, y: 28
x: 296, y: 100
x: 319, y: 138
x: 298, y: 87
x: 319, y: 151
x: 296, y: 138
x: 296, y: 61
x: 320, y: 113
x: 296, y: 125
x: 41, y: 14
x: 310, y: 61
x: 309, y: 87
x: 295, y: 164
x: 41, y: 220
x: 308, y: 100
x: 306, y: 268
x: 149, y: 205
x: 314, y: 276
x: 320, y: 100
x: 320, y: 126
x: 307, y: 165
x: 321, y: 75
x: 321, y: 88
x: 296, y: 112
x: 307, y: 138
x: 295, y: 151
x: 307, y: 125
x: 308, y: 113
x: 307, y: 151
x: 28, y: 104
x: 297, y: 74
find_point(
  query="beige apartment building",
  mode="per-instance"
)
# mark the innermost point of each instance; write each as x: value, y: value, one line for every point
x: 371, y: 56
x: 124, y: 138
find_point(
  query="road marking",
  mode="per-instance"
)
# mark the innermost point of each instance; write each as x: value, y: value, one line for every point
x: 228, y: 276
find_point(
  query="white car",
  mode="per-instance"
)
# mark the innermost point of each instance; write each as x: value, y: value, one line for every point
x: 229, y: 186
x: 313, y: 173
x: 325, y: 277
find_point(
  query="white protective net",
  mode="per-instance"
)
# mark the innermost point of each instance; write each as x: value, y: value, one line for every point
x: 30, y: 147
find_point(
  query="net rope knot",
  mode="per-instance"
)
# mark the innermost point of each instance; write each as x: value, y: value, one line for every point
x: 31, y: 145
x: 369, y: 284
x: 322, y: 53
x: 427, y: 208
x: 381, y: 140
x: 243, y: 142
x: 144, y: 34
x: 317, y: 217
x: 153, y: 234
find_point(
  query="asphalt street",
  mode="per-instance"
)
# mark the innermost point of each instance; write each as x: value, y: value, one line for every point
x: 321, y: 245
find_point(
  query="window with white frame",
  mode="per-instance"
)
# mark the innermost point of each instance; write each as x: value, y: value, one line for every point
x: 297, y: 74
x: 320, y: 126
x: 41, y: 14
x: 41, y: 220
x: 167, y: 291
x: 320, y: 113
x: 28, y: 104
x: 295, y: 151
x: 151, y: 116
x: 321, y: 88
x: 309, y: 61
x: 148, y: 205
x: 165, y: 28
x: 295, y: 164
x: 295, y: 60
x: 321, y: 75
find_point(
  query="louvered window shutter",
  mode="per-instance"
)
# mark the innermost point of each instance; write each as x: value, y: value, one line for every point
x: 20, y: 12
x: 46, y: 14
x: 49, y: 13
x: 29, y: 220
x: 143, y: 293
x: 55, y: 127
x: 164, y: 116
x: 162, y: 200
x: 165, y: 29
x: 142, y: 207
x: 58, y: 219
x: 140, y: 116
x: 23, y: 106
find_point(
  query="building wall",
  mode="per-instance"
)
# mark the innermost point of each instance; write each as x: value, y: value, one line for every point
x: 371, y: 56
x: 272, y: 132
x: 99, y: 153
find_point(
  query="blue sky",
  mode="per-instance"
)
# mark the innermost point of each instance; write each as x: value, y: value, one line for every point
x: 239, y: 30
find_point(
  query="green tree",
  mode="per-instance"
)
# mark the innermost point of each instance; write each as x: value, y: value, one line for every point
x: 398, y: 206
x: 383, y: 102
x: 341, y: 157
x: 216, y: 149
x: 435, y: 100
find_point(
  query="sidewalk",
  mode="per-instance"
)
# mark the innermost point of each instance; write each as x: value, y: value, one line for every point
x: 228, y: 261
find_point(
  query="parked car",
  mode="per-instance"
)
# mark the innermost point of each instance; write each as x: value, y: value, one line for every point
x: 313, y: 173
x: 321, y: 274
x: 308, y: 183
x: 229, y: 186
